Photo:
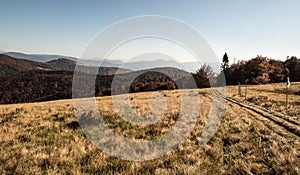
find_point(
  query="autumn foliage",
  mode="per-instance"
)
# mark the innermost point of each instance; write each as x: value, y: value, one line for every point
x: 262, y: 70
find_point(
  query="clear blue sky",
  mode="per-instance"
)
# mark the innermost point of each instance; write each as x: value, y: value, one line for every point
x: 242, y: 28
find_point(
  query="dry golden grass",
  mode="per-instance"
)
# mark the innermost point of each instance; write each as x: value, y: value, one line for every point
x: 44, y: 138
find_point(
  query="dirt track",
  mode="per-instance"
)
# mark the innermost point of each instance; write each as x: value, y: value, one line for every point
x: 286, y: 122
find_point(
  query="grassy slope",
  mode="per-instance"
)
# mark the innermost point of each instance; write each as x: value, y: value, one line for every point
x: 44, y: 138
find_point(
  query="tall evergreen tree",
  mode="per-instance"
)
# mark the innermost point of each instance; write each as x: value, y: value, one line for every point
x: 225, y: 63
x: 224, y: 70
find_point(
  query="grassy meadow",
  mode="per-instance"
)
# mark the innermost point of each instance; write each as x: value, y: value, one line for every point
x: 45, y: 138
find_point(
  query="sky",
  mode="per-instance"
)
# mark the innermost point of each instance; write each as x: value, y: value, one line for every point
x: 242, y: 28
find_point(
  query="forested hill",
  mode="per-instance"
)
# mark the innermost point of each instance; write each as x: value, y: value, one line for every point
x: 29, y: 81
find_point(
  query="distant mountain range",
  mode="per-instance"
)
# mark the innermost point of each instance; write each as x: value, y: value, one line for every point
x: 138, y: 65
x: 10, y: 65
x: 37, y: 57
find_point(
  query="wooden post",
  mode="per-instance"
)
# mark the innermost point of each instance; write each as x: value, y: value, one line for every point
x: 240, y: 92
x: 287, y: 97
x: 246, y: 90
x: 287, y: 92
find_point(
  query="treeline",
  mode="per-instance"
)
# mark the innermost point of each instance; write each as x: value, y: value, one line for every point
x: 130, y: 83
x: 35, y: 86
x: 261, y: 70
